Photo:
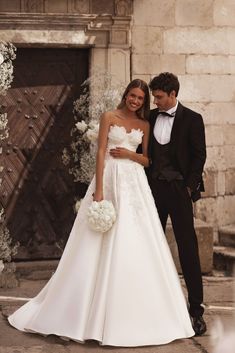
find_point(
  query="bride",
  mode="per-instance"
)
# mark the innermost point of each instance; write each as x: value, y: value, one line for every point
x: 121, y: 287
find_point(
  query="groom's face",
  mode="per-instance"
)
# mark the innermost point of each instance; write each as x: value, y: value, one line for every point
x: 163, y: 100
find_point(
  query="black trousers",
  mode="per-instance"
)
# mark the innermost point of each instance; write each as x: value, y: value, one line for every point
x: 172, y: 198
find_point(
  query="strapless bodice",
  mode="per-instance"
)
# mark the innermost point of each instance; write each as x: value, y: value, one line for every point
x: 119, y: 137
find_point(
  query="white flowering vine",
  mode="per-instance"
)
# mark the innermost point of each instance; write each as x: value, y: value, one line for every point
x: 7, y: 54
x: 100, y: 93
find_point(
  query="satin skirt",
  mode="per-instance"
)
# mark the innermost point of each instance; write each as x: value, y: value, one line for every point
x: 120, y: 288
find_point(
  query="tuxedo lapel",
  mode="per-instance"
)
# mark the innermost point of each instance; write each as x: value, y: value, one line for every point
x: 153, y: 117
x: 152, y: 120
x: 177, y: 126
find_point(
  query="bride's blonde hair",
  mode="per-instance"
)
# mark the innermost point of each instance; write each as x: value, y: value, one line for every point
x: 143, y: 112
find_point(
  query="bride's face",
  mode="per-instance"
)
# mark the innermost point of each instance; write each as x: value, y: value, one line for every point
x: 135, y: 99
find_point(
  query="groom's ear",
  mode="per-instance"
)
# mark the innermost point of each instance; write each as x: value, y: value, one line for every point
x: 173, y: 94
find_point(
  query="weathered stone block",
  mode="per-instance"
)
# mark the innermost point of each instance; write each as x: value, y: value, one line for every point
x: 205, y: 242
x: 153, y: 64
x: 229, y: 134
x: 51, y: 37
x: 214, y: 182
x: 225, y: 209
x: 210, y: 181
x: 206, y: 210
x: 229, y: 155
x: 194, y: 13
x: 215, y: 159
x: 160, y: 13
x: 145, y: 78
x: 221, y: 183
x: 210, y: 64
x: 99, y: 59
x: 146, y: 40
x: 146, y: 64
x: 119, y: 64
x: 214, y: 135
x: 173, y: 63
x: 207, y: 88
x: 227, y: 235
x: 216, y: 211
x: 224, y: 12
x: 230, y: 181
x: 192, y: 40
x: 119, y: 37
x: 215, y: 113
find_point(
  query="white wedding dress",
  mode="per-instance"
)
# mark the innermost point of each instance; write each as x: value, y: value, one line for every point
x: 120, y: 288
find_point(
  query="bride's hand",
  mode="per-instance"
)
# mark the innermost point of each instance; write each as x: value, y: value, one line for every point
x: 120, y: 152
x: 97, y: 196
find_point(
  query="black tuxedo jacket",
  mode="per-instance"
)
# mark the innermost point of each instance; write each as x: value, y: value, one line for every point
x: 187, y: 147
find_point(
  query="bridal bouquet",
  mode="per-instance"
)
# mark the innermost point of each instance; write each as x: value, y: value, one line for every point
x: 101, y: 216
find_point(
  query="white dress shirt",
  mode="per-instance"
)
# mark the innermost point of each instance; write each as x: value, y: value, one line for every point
x: 163, y: 126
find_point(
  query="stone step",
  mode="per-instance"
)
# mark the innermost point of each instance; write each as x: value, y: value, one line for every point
x: 36, y: 270
x: 224, y: 259
x: 204, y: 232
x: 227, y: 235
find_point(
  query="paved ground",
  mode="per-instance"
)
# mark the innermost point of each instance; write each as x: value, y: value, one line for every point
x: 219, y: 302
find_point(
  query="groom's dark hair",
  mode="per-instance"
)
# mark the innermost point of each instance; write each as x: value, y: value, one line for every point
x: 166, y: 82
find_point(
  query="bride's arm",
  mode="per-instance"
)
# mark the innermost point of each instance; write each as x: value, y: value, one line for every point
x: 120, y: 152
x: 102, y: 145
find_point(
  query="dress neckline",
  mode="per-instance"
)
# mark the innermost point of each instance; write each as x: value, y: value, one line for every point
x: 127, y: 132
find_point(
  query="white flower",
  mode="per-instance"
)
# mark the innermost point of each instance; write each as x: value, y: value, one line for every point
x: 117, y: 133
x: 1, y: 58
x: 81, y: 126
x: 7, y: 54
x: 65, y: 157
x: 92, y: 133
x: 101, y: 216
x: 77, y: 205
x: 93, y: 124
x: 1, y: 266
x: 135, y: 136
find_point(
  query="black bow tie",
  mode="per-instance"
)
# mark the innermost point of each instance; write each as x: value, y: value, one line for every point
x: 166, y: 114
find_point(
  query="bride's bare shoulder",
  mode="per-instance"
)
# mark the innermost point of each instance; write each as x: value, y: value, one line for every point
x: 108, y: 117
x: 144, y: 125
x: 111, y: 114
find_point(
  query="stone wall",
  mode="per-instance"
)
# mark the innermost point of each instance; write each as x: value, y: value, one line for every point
x: 195, y: 40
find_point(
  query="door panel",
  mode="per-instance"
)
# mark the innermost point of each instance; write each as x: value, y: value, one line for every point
x: 37, y: 191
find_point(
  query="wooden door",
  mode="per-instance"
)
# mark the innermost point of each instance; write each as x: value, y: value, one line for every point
x: 37, y: 191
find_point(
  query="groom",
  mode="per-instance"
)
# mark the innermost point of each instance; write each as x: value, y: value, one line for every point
x: 177, y: 154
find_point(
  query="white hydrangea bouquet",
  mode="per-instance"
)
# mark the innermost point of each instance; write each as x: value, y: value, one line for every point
x: 101, y: 216
x: 100, y: 93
